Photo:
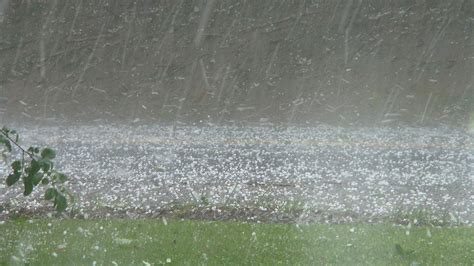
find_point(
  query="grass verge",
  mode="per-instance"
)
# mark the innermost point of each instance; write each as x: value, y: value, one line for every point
x: 143, y: 242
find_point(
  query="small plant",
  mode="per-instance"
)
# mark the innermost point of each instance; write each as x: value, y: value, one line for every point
x: 35, y: 168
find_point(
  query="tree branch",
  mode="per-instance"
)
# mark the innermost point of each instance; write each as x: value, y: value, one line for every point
x: 32, y: 156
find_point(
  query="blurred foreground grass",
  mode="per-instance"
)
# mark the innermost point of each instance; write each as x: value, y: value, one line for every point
x: 155, y: 242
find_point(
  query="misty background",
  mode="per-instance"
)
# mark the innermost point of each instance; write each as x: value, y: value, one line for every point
x: 343, y: 62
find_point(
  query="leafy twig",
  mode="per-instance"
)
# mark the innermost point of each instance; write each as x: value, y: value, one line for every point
x: 38, y: 170
x: 6, y: 132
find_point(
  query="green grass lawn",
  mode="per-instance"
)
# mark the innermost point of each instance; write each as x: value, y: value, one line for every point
x: 139, y: 242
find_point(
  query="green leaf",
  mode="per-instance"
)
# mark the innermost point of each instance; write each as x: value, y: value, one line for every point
x: 13, y: 178
x: 34, y: 168
x: 36, y: 179
x: 59, y: 176
x: 62, y: 177
x: 45, y: 181
x: 48, y: 153
x: 28, y: 186
x: 45, y: 164
x: 50, y: 193
x: 60, y: 202
x: 16, y: 166
x: 33, y: 149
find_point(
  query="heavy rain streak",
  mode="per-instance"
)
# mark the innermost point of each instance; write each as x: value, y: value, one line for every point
x: 235, y: 132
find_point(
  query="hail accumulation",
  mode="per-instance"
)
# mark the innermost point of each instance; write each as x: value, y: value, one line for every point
x: 318, y: 172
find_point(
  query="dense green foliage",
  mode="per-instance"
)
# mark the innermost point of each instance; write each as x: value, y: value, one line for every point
x: 35, y: 167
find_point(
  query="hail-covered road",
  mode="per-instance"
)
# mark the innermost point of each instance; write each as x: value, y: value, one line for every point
x: 321, y: 173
